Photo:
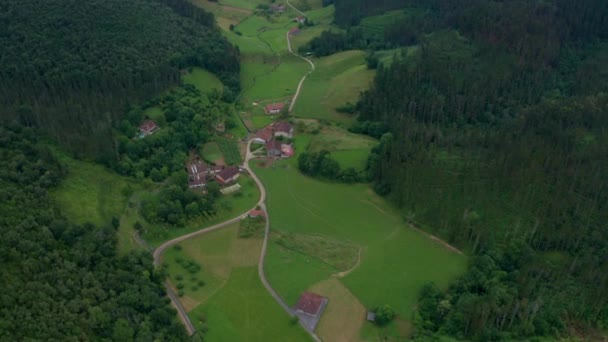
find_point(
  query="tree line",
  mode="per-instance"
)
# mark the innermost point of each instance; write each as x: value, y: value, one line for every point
x: 493, y: 135
x: 65, y: 281
x: 71, y: 68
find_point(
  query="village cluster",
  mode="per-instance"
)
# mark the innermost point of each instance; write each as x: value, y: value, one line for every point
x: 274, y: 138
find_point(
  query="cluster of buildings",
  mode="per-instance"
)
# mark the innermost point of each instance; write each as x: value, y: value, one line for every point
x: 271, y: 135
x: 200, y: 174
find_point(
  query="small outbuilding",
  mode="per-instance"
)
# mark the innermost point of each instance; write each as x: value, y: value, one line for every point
x: 255, y: 213
x: 309, y: 308
x: 274, y: 108
x: 371, y: 316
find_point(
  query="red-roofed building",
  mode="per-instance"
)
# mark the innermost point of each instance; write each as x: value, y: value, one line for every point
x: 274, y: 108
x: 256, y: 213
x: 273, y: 148
x: 310, y: 303
x: 283, y: 129
x: 263, y: 136
x: 294, y: 31
x: 287, y: 151
x: 147, y: 127
x: 227, y: 175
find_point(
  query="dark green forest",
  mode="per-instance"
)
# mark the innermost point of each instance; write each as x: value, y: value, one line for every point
x: 74, y: 70
x: 61, y: 281
x: 494, y: 137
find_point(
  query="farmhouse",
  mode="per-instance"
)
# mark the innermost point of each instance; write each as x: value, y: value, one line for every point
x: 283, y: 129
x: 263, y: 136
x: 294, y: 31
x: 227, y: 175
x: 300, y: 19
x: 256, y: 213
x: 274, y: 108
x: 147, y: 127
x: 309, y: 308
x: 273, y: 148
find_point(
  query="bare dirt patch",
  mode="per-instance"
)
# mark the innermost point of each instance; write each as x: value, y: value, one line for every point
x: 344, y: 316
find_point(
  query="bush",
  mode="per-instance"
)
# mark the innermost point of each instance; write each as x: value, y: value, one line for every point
x: 384, y: 315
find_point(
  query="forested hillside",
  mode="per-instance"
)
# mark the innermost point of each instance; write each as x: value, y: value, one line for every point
x: 494, y: 136
x: 62, y: 281
x: 70, y: 67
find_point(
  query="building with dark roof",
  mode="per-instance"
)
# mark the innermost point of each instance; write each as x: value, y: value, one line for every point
x: 309, y: 308
x: 227, y: 175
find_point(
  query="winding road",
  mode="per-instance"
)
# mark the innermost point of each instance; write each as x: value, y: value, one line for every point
x: 157, y: 254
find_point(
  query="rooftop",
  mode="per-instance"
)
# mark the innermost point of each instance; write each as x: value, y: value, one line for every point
x: 309, y: 303
x: 228, y: 172
x: 283, y: 127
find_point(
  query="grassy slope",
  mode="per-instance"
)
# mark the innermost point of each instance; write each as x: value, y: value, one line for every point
x: 338, y: 79
x: 233, y: 302
x: 348, y: 149
x: 203, y: 80
x: 396, y: 260
x: 91, y: 193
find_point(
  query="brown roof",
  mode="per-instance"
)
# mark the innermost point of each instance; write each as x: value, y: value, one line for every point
x: 274, y: 106
x: 148, y: 126
x: 283, y: 127
x: 309, y: 303
x: 273, y: 145
x: 294, y: 30
x: 256, y: 213
x: 228, y: 173
x: 265, y: 134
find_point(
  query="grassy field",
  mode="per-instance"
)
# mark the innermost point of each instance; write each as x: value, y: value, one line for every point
x: 337, y: 80
x: 211, y: 152
x: 230, y: 150
x: 243, y: 311
x: 356, y: 159
x: 203, y: 80
x: 396, y: 260
x: 91, y: 193
x: 231, y: 302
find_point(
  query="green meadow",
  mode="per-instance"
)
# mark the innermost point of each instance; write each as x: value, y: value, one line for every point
x: 337, y: 80
x: 223, y: 292
x: 203, y: 80
x: 396, y: 260
x: 92, y: 194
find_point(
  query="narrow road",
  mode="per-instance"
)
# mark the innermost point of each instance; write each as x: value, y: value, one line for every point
x: 312, y: 65
x: 157, y: 254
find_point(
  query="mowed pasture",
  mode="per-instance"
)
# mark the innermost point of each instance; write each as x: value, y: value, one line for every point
x: 396, y: 259
x: 231, y: 303
x: 337, y: 80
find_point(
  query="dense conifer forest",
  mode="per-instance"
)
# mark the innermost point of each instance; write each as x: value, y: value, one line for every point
x: 73, y: 69
x: 61, y: 281
x: 493, y: 136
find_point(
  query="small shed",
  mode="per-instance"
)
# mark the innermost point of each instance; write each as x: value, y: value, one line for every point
x: 371, y: 316
x: 231, y: 189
